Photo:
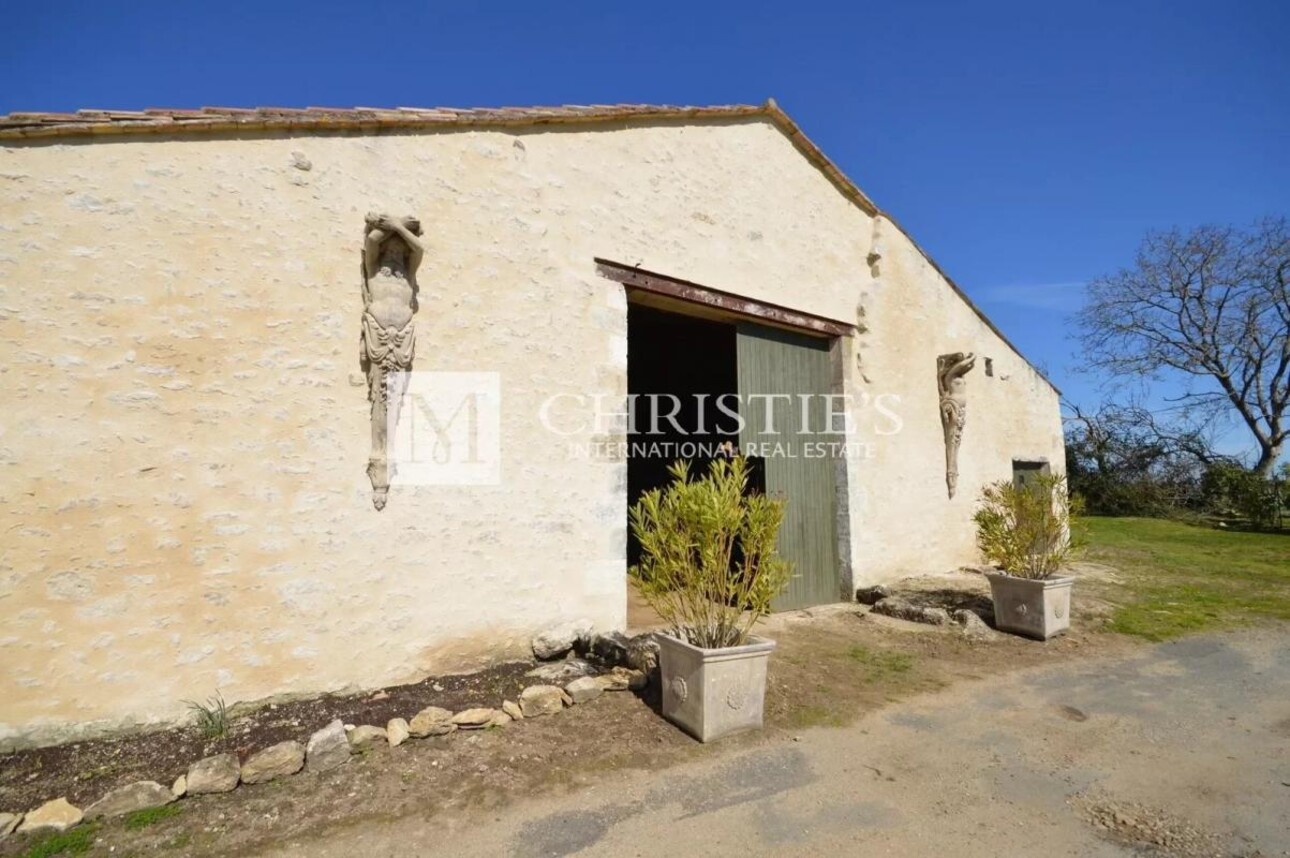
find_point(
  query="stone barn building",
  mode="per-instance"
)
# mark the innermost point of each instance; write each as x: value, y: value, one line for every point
x: 205, y: 318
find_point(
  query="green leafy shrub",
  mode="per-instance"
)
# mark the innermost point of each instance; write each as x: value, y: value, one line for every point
x: 1230, y: 490
x: 708, y: 562
x: 1028, y: 531
x: 1144, y: 497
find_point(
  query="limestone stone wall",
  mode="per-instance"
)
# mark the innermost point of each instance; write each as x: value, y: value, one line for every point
x: 185, y: 427
x: 903, y: 520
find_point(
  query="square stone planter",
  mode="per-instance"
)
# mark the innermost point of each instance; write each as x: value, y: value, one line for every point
x: 1034, y: 608
x: 710, y: 693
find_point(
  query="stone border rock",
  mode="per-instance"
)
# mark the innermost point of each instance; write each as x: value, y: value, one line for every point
x: 898, y: 608
x: 970, y: 622
x: 332, y: 746
x: 872, y: 595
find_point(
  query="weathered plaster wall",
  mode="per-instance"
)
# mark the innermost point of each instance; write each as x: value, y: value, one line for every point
x: 903, y: 521
x: 185, y: 429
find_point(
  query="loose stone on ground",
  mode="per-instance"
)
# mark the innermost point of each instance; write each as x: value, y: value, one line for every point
x: 555, y: 642
x: 431, y: 721
x: 397, y: 732
x: 609, y: 648
x: 972, y: 624
x: 539, y: 700
x: 139, y: 795
x: 214, y: 774
x: 584, y: 690
x: 276, y: 761
x: 893, y: 606
x: 562, y: 671
x: 474, y: 719
x: 623, y: 679
x: 642, y: 653
x: 367, y: 737
x: 327, y: 749
x: 872, y: 595
x: 56, y: 815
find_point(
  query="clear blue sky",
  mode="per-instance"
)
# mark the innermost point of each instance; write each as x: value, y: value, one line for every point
x: 1027, y: 146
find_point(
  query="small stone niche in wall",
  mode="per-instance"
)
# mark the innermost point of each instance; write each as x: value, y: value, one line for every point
x: 989, y: 367
x: 1026, y: 472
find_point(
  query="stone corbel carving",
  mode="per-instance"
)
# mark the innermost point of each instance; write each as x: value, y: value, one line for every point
x: 392, y: 251
x: 951, y: 372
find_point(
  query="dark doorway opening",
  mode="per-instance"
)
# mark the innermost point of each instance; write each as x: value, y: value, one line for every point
x: 685, y: 360
x: 678, y: 368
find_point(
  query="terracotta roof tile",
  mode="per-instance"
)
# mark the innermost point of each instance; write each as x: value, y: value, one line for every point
x: 48, y: 118
x: 95, y: 120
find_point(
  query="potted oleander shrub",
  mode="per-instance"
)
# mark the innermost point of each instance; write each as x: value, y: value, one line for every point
x: 709, y: 568
x: 1029, y: 532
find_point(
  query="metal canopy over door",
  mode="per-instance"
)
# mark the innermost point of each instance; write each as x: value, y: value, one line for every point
x: 773, y: 361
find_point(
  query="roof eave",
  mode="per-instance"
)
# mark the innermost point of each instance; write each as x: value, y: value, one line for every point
x: 28, y: 126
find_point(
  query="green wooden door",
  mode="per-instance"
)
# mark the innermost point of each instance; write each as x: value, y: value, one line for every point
x: 777, y: 362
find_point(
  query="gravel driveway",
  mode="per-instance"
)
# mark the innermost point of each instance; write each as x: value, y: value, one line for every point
x: 1180, y: 749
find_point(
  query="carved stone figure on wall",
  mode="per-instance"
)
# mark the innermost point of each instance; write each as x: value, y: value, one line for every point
x: 392, y: 252
x: 951, y: 370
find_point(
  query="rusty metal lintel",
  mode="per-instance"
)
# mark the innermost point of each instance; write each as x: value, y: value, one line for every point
x: 736, y: 305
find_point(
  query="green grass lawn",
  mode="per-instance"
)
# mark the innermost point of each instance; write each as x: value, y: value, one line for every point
x: 1182, y: 578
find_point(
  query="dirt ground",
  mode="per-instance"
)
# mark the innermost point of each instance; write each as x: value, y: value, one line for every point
x: 832, y: 666
x: 85, y: 771
x: 1174, y: 750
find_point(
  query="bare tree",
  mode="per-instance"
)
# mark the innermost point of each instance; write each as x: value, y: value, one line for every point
x: 1129, y: 439
x: 1211, y: 306
x: 1124, y: 461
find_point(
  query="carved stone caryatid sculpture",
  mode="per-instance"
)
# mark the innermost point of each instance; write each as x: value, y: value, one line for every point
x: 392, y: 252
x: 951, y: 370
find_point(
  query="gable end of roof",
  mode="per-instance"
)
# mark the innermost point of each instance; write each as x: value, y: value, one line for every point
x: 43, y: 126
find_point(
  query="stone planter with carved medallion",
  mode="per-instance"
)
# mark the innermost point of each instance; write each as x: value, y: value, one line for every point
x: 1036, y: 608
x: 710, y: 693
